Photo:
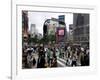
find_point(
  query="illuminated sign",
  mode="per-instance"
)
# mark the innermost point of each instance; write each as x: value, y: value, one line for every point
x: 61, y: 32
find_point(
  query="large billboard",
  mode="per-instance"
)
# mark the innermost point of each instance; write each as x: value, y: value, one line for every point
x: 61, y: 33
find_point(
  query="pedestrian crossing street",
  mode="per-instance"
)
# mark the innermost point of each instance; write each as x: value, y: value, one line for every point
x: 60, y: 61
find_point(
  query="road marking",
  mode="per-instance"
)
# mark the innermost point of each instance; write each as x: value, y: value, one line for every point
x: 62, y: 60
x: 62, y: 64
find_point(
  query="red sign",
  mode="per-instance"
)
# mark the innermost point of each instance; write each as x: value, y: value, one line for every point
x: 61, y: 32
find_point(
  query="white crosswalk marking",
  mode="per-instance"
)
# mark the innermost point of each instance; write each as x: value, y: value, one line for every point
x: 62, y: 60
x: 62, y: 64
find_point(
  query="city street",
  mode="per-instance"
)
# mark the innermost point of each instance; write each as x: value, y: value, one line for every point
x: 51, y: 41
x: 60, y: 62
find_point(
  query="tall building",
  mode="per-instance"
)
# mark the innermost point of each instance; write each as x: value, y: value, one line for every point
x: 81, y: 28
x: 25, y: 23
x: 33, y: 30
x: 70, y: 33
x: 61, y: 18
x: 49, y: 27
x: 55, y: 27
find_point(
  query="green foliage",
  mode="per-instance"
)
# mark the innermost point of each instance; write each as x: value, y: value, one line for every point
x: 44, y: 40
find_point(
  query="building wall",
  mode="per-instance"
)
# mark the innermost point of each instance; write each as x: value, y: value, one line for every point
x: 81, y: 28
x: 25, y: 23
x: 33, y: 30
x: 51, y: 27
x: 70, y: 32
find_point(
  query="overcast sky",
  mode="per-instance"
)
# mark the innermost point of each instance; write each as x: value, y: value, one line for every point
x: 38, y: 18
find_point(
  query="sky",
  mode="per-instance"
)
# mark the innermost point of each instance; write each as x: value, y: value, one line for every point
x: 38, y: 18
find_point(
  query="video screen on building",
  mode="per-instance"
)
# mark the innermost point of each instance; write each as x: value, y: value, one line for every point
x: 61, y: 32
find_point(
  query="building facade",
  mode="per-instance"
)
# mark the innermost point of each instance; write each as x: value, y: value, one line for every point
x: 49, y: 27
x: 24, y: 23
x: 70, y: 33
x: 55, y: 27
x: 33, y: 30
x: 81, y: 29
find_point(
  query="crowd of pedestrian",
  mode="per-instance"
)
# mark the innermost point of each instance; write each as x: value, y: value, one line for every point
x: 47, y: 55
x: 77, y: 56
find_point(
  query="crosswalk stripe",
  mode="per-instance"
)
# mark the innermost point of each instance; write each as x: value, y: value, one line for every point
x: 62, y: 60
x: 62, y: 64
